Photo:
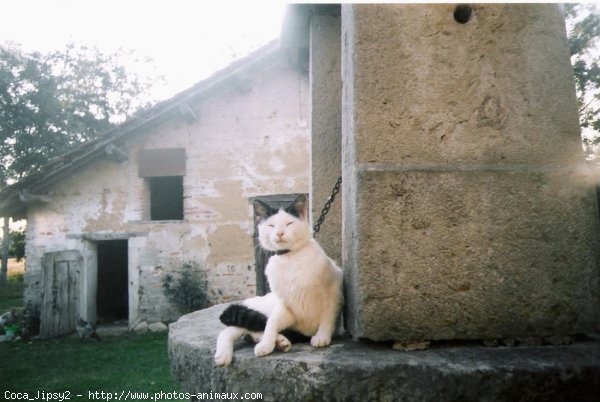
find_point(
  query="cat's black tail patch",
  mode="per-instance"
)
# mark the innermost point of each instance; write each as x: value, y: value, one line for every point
x: 238, y: 315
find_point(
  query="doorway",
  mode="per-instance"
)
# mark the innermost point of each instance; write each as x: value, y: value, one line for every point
x: 112, y: 296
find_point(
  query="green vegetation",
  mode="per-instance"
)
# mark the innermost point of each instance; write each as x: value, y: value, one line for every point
x: 51, y: 103
x: 131, y: 362
x: 583, y: 29
x: 189, y: 291
x: 16, y: 247
x: 11, y: 295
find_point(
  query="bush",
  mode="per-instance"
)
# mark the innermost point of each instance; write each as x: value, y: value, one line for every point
x: 189, y: 290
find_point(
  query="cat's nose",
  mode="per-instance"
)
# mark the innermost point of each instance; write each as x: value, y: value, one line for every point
x: 279, y: 234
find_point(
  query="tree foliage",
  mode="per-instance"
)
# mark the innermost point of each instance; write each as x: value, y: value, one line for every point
x: 583, y: 25
x: 51, y: 103
x: 16, y: 247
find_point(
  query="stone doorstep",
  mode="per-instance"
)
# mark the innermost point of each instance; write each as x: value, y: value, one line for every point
x: 351, y: 370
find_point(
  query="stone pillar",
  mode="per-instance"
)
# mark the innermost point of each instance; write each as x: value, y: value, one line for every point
x: 468, y: 210
x: 326, y: 127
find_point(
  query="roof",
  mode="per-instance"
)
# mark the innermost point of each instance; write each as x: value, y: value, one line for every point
x: 13, y: 198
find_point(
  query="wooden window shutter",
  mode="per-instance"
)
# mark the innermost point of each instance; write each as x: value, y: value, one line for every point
x: 161, y: 162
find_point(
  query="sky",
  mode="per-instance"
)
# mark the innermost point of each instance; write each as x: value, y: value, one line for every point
x: 187, y: 39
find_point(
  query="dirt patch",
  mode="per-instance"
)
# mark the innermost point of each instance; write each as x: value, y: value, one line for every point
x: 113, y: 329
x: 15, y: 268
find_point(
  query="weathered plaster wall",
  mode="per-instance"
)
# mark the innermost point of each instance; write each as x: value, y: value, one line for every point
x: 248, y: 141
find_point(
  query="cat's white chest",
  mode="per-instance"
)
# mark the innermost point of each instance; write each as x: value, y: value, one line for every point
x: 298, y: 287
x: 291, y: 274
x: 287, y: 275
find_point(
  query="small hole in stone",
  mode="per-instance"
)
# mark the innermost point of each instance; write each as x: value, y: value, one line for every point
x: 462, y: 13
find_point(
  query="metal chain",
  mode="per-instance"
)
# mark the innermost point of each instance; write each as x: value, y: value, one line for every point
x: 327, y: 206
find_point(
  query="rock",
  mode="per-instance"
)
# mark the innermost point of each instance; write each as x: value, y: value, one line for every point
x: 157, y: 327
x: 559, y: 340
x: 142, y: 327
x: 352, y: 370
x: 408, y: 346
x: 509, y: 342
x: 6, y: 338
x: 491, y: 343
x: 530, y: 341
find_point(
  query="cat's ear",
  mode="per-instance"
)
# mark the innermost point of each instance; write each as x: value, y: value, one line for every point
x: 261, y: 210
x: 299, y: 207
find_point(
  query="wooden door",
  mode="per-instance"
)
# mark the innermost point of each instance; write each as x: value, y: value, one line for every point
x: 61, y: 292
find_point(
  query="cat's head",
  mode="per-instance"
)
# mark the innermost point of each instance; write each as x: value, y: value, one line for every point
x: 284, y: 228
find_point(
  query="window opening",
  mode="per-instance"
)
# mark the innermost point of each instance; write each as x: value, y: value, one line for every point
x: 166, y: 198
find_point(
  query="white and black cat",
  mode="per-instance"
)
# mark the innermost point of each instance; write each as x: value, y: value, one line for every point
x: 306, y: 287
x: 86, y: 330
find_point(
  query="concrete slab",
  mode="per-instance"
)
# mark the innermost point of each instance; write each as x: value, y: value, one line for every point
x: 351, y: 370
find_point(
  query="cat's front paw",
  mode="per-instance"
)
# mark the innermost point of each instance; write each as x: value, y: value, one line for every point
x: 320, y: 340
x: 264, y: 348
x: 282, y: 343
x: 223, y: 359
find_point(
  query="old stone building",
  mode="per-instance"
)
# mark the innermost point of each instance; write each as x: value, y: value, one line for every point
x: 172, y: 186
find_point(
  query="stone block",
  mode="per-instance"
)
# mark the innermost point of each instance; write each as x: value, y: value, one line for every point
x: 141, y: 327
x: 473, y: 255
x: 468, y: 210
x: 157, y: 327
x: 428, y: 90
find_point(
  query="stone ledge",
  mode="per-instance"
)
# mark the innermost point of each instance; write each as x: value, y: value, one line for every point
x: 349, y: 370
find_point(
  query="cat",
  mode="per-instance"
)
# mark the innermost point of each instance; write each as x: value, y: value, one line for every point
x: 306, y: 287
x: 86, y: 330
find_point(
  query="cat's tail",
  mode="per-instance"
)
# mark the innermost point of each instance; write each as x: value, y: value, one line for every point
x: 238, y: 315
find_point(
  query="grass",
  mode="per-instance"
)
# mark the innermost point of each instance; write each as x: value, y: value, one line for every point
x: 11, y: 296
x: 129, y: 362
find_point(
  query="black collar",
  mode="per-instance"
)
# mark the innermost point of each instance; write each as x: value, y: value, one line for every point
x: 282, y: 252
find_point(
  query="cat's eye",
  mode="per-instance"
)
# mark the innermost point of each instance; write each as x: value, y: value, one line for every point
x: 271, y: 226
x: 288, y: 224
